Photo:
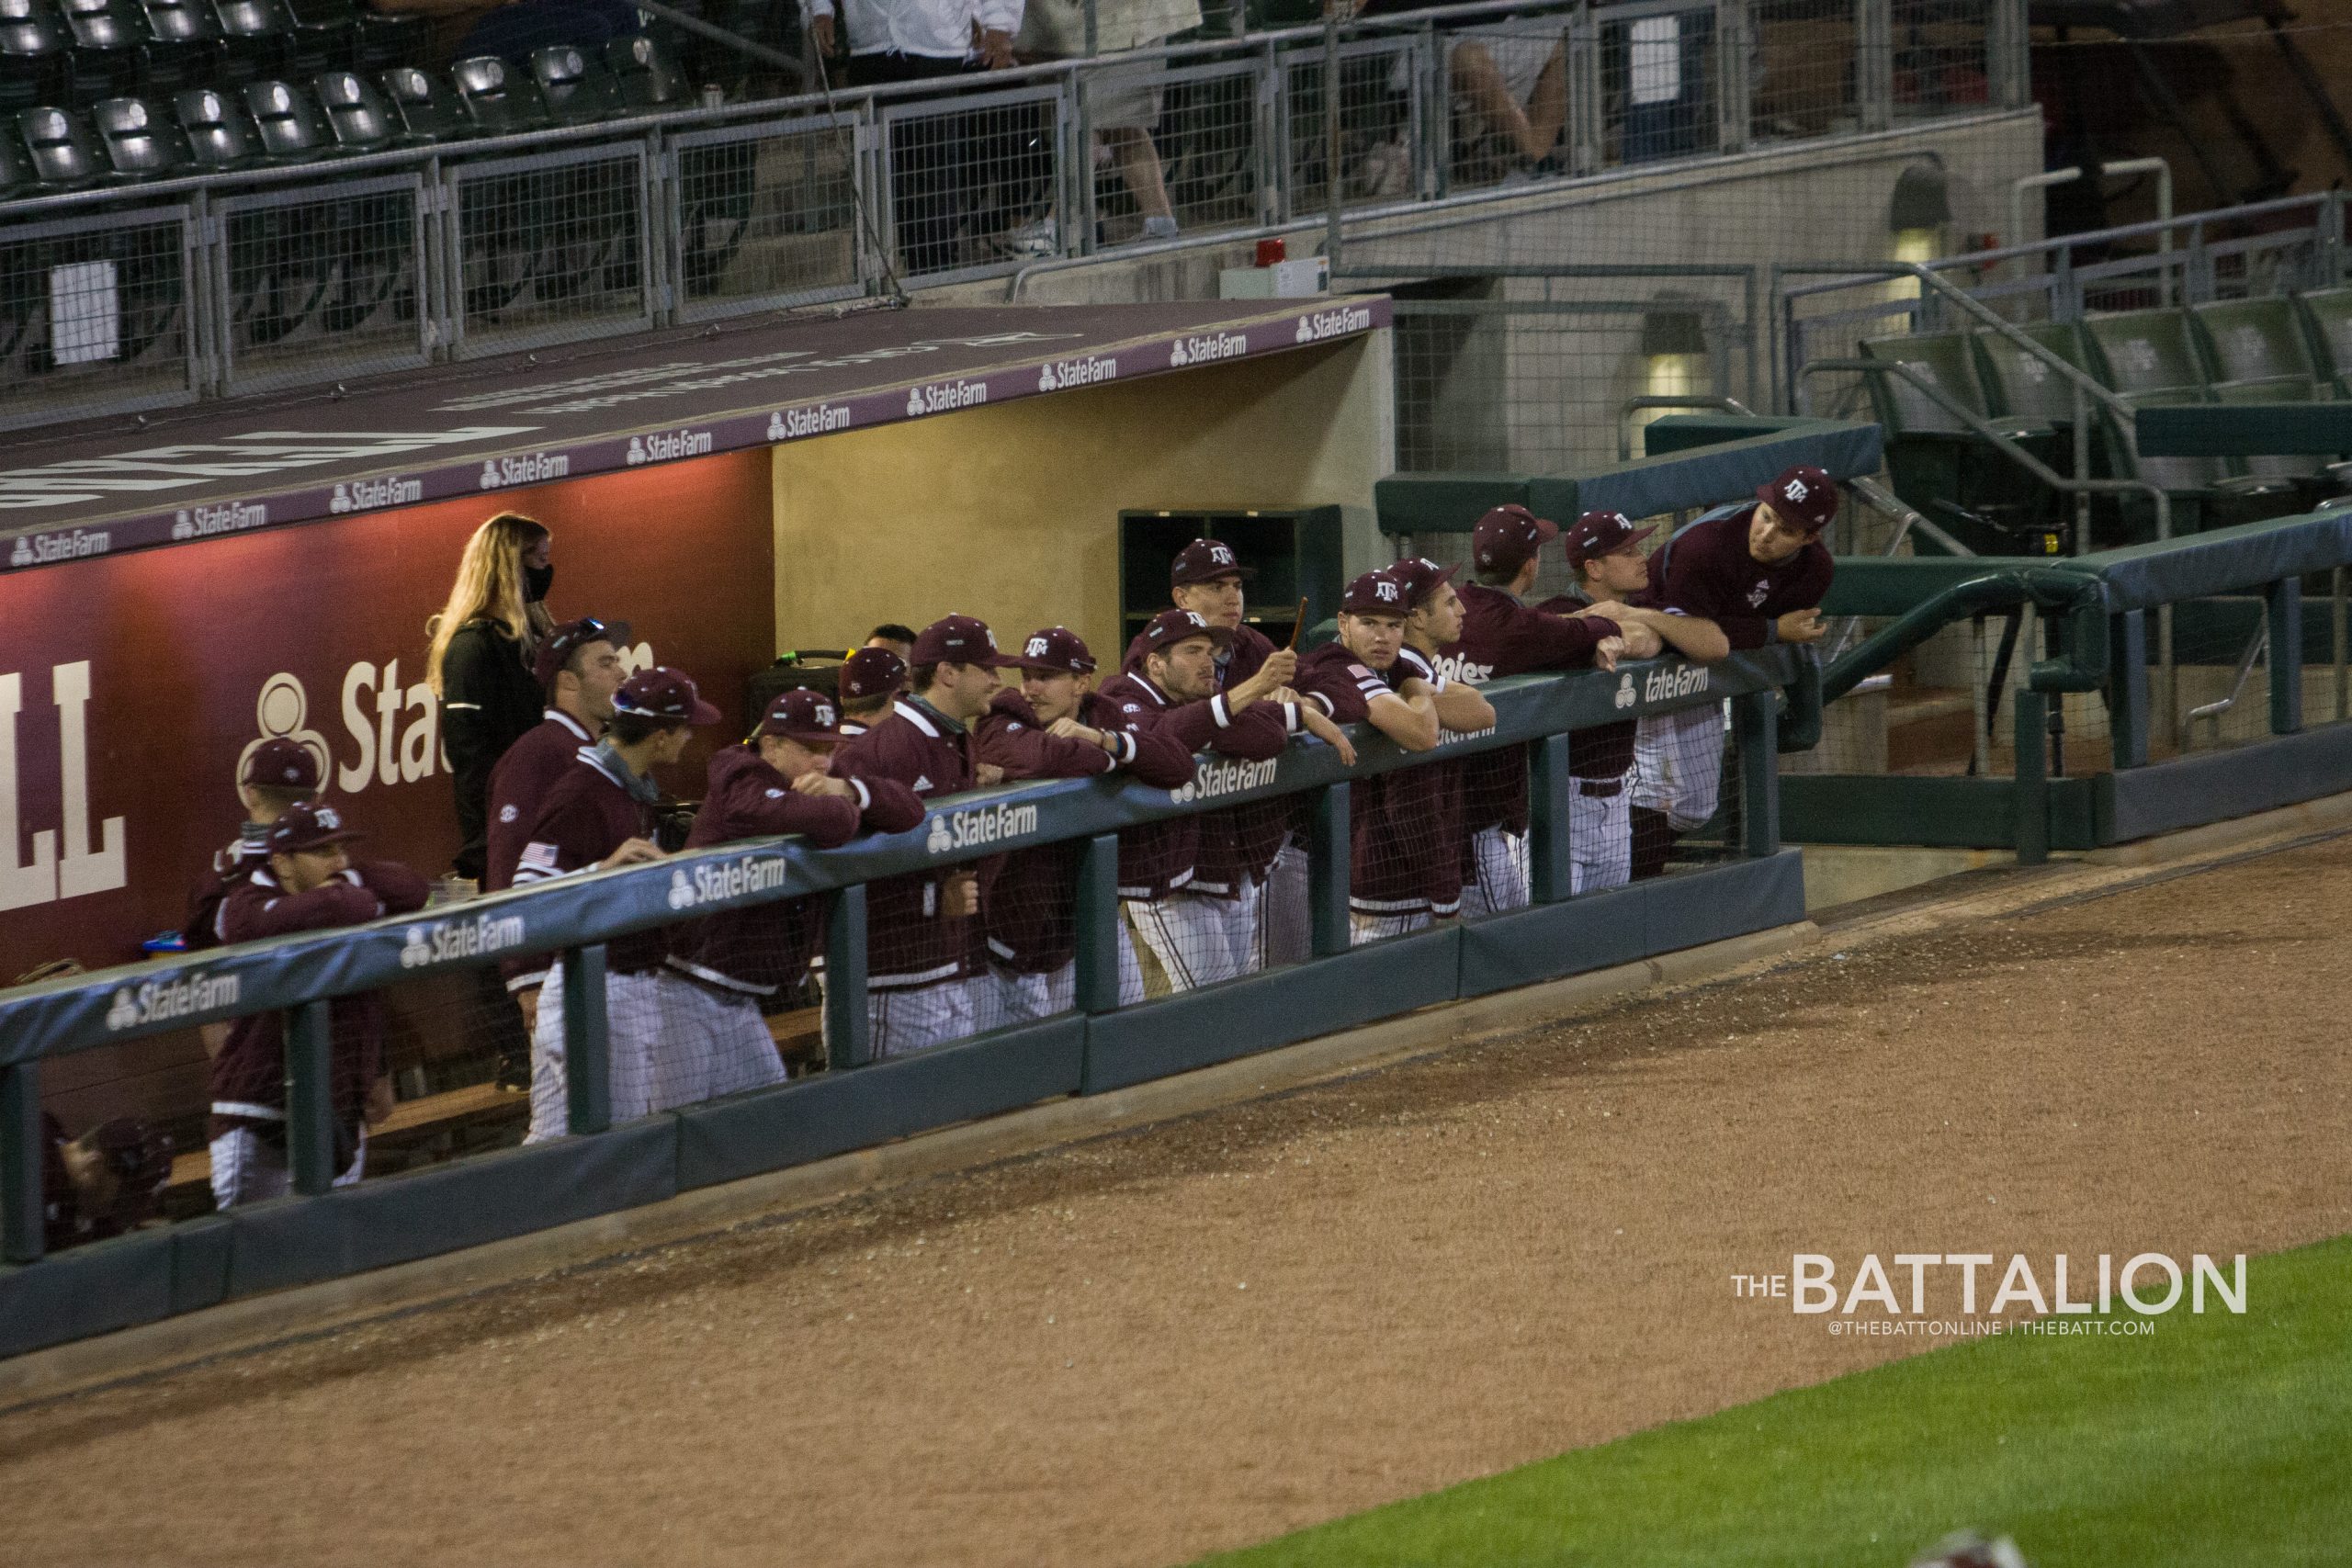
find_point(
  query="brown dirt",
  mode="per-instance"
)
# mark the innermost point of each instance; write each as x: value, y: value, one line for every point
x: 1204, y: 1333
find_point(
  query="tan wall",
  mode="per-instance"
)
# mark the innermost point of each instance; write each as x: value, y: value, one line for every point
x: 1010, y: 513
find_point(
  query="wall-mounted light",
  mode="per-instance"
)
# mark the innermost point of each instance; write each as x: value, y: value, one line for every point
x: 1674, y: 355
x: 1917, y: 216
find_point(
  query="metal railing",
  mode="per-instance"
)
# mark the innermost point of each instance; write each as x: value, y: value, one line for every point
x: 132, y: 296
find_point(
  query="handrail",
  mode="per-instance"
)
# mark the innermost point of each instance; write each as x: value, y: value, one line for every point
x: 2081, y: 666
x: 1631, y: 406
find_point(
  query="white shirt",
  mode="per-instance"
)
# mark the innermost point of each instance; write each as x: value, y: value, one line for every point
x: 941, y: 29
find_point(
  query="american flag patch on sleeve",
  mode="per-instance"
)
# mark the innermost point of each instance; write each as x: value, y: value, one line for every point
x: 537, y: 859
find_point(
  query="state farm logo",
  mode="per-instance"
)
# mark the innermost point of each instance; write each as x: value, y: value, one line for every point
x: 944, y: 397
x: 1213, y: 779
x: 1333, y: 324
x: 1626, y: 697
x: 41, y: 550
x: 668, y: 446
x: 476, y: 938
x: 530, y: 469
x: 227, y: 517
x: 791, y: 424
x: 729, y: 879
x: 1665, y: 685
x: 981, y: 825
x: 161, y: 1001
x: 1065, y: 374
x: 366, y: 495
x: 1201, y: 350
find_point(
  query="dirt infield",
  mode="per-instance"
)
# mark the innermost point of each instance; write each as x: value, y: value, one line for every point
x: 1200, y: 1334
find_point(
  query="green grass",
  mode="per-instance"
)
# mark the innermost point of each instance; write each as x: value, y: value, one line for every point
x: 2219, y: 1439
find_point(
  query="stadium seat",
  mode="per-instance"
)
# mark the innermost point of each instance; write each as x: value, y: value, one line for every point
x: 65, y: 156
x: 2327, y: 315
x: 2137, y: 352
x: 34, y: 54
x: 501, y: 99
x: 219, y: 132
x: 108, y: 36
x: 386, y: 41
x: 357, y: 116
x: 1933, y: 458
x: 287, y: 121
x: 182, y: 47
x: 258, y: 36
x: 576, y: 88
x: 2257, y: 343
x: 425, y: 107
x: 142, y: 141
x: 649, y: 76
x: 2018, y: 384
x: 325, y: 35
x: 16, y: 173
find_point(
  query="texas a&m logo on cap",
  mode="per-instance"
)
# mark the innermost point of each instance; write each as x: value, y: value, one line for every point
x: 1038, y: 648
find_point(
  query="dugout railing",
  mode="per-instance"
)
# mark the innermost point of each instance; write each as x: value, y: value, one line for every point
x: 602, y: 1166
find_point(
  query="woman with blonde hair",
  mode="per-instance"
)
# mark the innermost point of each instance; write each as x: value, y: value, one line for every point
x: 479, y: 663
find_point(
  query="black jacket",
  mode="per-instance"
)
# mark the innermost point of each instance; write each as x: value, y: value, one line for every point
x: 488, y: 703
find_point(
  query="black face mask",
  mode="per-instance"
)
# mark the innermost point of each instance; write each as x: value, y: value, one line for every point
x: 536, y: 581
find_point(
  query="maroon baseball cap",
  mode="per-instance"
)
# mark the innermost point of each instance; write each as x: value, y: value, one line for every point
x: 567, y: 640
x: 1171, y: 626
x: 1421, y: 577
x: 281, y: 764
x: 1805, y: 497
x: 872, y: 673
x: 1509, y: 536
x: 1057, y: 650
x: 1206, y: 561
x: 1375, y: 594
x: 664, y: 693
x: 804, y: 716
x: 1597, y: 534
x: 309, y: 825
x: 958, y: 639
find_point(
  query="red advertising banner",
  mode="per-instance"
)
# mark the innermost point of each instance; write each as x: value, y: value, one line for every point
x: 131, y: 685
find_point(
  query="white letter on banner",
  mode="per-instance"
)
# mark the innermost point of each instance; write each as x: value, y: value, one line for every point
x: 83, y: 870
x: 20, y: 884
x: 355, y: 776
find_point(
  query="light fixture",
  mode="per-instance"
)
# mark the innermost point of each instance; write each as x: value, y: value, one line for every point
x: 1921, y: 201
x: 1674, y: 353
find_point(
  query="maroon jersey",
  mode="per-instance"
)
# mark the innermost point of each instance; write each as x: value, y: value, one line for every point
x: 248, y: 1079
x: 1391, y: 837
x: 1709, y: 572
x: 1502, y: 636
x: 1032, y: 920
x: 909, y: 942
x: 765, y: 948
x: 1210, y: 851
x: 1430, y: 796
x: 593, y: 808
x: 1242, y: 841
x: 230, y: 870
x: 519, y: 784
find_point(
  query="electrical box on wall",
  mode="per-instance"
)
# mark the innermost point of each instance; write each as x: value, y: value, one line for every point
x: 1294, y: 551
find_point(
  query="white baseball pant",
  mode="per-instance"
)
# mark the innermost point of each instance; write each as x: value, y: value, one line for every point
x: 1363, y: 929
x: 1678, y: 763
x: 639, y: 1077
x: 713, y: 1044
x: 1023, y: 999
x: 246, y: 1171
x: 900, y: 1018
x: 1601, y: 838
x: 1284, y: 919
x: 1191, y: 936
x: 1499, y: 861
x: 1243, y: 938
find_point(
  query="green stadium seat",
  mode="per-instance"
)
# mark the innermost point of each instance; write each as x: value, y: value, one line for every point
x: 358, y: 117
x: 649, y: 74
x: 325, y: 36
x: 258, y: 39
x: 108, y: 36
x: 2257, y: 343
x: 1944, y: 468
x: 576, y: 87
x: 2019, y: 386
x: 2327, y: 317
x: 502, y: 100
x: 219, y: 132
x: 290, y: 127
x: 35, y: 55
x: 183, y: 48
x: 142, y: 141
x: 2144, y: 350
x: 387, y: 41
x: 16, y: 172
x: 427, y: 110
x: 66, y: 154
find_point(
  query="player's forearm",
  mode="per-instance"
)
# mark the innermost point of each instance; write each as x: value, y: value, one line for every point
x: 1693, y: 637
x: 1412, y: 723
x: 1460, y: 707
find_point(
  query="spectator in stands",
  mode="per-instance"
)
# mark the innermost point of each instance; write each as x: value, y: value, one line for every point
x: 932, y: 162
x: 894, y: 638
x: 922, y: 986
x: 1245, y: 857
x: 725, y: 972
x: 484, y: 641
x: 1432, y: 793
x: 310, y: 884
x: 275, y: 775
x: 579, y: 668
x: 1741, y: 577
x: 1502, y: 634
x: 601, y: 814
x: 1361, y: 678
x: 1171, y: 687
x: 870, y: 682
x: 1511, y: 75
x: 1123, y: 102
x: 1055, y: 726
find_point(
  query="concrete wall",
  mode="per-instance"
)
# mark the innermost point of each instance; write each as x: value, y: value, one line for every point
x: 1010, y: 513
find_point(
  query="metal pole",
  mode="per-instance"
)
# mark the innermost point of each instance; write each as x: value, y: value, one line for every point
x: 1756, y: 717
x: 849, y: 1039
x: 587, y: 1044
x: 2128, y: 681
x: 1333, y: 190
x: 2284, y: 606
x: 23, y: 1206
x: 1549, y: 809
x: 1096, y: 914
x: 2339, y: 629
x: 310, y: 1098
x: 1327, y: 871
x: 2031, y: 802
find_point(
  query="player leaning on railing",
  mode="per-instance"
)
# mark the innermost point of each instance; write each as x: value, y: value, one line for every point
x: 1432, y: 795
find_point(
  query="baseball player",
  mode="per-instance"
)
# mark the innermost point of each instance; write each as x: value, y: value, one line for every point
x: 108, y: 1179
x: 599, y: 815
x: 922, y: 985
x: 725, y: 969
x: 1430, y: 796
x: 1361, y: 679
x: 1743, y: 576
x: 1055, y: 726
x: 1242, y: 848
x: 870, y: 680
x: 1503, y: 635
x: 1173, y: 689
x: 310, y: 883
x: 277, y: 773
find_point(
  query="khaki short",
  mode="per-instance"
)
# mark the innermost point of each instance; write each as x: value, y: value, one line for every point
x: 1126, y: 97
